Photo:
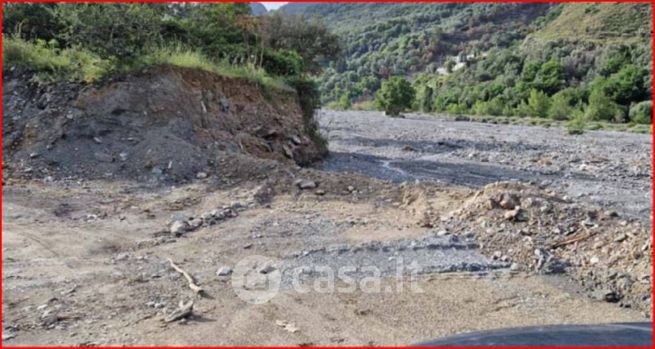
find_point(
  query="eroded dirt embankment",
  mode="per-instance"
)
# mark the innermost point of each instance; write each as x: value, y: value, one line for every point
x: 164, y: 123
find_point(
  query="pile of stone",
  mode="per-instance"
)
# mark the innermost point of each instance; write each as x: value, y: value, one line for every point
x: 542, y: 231
x: 180, y: 225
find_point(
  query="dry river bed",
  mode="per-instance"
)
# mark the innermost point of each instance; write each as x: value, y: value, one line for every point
x: 89, y: 263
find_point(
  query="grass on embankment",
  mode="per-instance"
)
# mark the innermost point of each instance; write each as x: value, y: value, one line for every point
x: 77, y: 64
x: 51, y: 62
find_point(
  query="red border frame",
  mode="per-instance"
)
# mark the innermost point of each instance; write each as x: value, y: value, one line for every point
x: 652, y: 2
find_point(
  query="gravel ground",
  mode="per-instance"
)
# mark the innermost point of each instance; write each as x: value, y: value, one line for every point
x: 610, y: 169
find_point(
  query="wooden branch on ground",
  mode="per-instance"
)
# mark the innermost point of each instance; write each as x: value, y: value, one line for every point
x: 192, y: 284
x: 574, y: 239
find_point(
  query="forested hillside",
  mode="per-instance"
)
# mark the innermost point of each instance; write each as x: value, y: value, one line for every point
x: 90, y: 41
x: 588, y: 60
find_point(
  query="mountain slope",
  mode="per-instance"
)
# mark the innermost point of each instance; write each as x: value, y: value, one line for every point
x: 257, y: 9
x: 600, y: 23
x: 487, y: 58
x: 384, y: 39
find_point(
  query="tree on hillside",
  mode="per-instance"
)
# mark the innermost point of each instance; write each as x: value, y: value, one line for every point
x: 550, y: 77
x: 118, y: 30
x: 395, y: 96
x: 30, y: 20
x: 310, y: 38
x: 539, y: 103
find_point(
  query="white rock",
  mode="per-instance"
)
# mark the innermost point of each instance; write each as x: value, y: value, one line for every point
x: 224, y: 271
x: 306, y: 184
x: 179, y: 227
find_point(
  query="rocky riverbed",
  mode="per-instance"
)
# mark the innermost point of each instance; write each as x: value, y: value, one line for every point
x: 610, y: 169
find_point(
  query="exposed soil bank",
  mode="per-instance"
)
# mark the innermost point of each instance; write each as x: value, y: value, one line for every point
x: 165, y: 123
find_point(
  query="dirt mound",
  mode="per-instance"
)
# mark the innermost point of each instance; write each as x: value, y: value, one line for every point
x: 163, y: 124
x: 542, y: 231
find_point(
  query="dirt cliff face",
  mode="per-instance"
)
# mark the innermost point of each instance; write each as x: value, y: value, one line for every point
x: 165, y: 123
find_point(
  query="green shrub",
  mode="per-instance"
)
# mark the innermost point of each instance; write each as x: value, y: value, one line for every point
x: 642, y: 112
x: 424, y: 99
x: 625, y: 86
x: 30, y: 20
x: 344, y: 102
x: 121, y: 30
x: 523, y: 109
x: 493, y: 107
x: 560, y: 108
x: 550, y: 77
x: 576, y: 125
x: 600, y: 106
x: 395, y: 96
x: 538, y: 103
x: 283, y: 63
x: 73, y: 64
x: 456, y: 108
x: 309, y: 99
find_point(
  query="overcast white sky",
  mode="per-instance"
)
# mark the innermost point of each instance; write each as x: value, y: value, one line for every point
x: 272, y: 5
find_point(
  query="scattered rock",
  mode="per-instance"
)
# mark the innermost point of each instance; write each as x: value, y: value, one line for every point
x: 306, y: 184
x: 183, y: 311
x: 606, y: 296
x: 288, y: 326
x: 517, y: 215
x: 508, y: 201
x: 224, y: 271
x: 103, y: 157
x: 201, y: 175
x: 179, y: 227
x: 268, y: 268
x: 621, y: 237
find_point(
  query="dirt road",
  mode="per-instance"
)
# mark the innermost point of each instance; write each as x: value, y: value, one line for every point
x: 86, y: 262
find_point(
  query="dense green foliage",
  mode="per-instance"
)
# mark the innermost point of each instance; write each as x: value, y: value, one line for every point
x: 642, y: 112
x: 588, y: 60
x: 104, y: 38
x: 395, y: 96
